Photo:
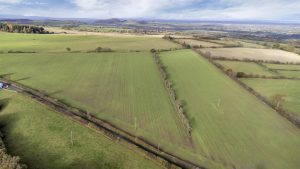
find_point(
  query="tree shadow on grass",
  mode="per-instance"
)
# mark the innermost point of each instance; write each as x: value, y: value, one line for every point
x: 22, y: 79
x: 35, y: 153
x: 4, y: 103
x: 53, y: 93
x: 6, y: 75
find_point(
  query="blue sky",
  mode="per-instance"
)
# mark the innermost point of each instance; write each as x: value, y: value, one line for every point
x: 157, y: 9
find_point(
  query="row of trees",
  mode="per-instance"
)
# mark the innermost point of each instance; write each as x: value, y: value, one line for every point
x: 179, y: 106
x: 15, y: 28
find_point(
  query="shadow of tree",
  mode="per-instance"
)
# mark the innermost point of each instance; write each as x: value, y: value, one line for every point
x: 22, y: 79
x: 4, y: 103
x: 34, y: 154
x: 6, y: 75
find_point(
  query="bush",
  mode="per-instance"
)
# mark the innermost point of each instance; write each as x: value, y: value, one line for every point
x: 100, y: 49
x: 153, y: 51
x: 240, y: 74
x: 7, y: 161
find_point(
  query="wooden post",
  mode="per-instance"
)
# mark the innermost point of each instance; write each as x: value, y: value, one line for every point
x: 135, y: 124
x: 219, y: 102
x: 72, y: 139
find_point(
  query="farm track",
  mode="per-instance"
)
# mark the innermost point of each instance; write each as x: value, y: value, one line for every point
x: 113, y: 132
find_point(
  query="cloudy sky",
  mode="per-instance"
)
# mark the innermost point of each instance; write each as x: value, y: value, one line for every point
x: 157, y: 9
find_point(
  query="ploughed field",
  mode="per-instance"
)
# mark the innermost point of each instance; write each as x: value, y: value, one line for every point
x: 231, y: 126
x: 42, y: 139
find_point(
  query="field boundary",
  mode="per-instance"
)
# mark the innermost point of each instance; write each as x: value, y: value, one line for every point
x: 293, y: 118
x: 250, y: 75
x: 85, y: 118
x: 177, y: 104
x: 221, y: 58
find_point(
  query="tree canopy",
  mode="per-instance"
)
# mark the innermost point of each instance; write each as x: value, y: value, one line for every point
x: 15, y: 28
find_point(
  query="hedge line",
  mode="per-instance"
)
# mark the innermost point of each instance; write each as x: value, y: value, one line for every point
x: 111, y: 131
x: 178, y: 104
x: 288, y: 115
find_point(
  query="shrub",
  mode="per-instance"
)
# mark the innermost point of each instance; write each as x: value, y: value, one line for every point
x: 240, y: 74
x: 7, y: 161
x: 153, y: 51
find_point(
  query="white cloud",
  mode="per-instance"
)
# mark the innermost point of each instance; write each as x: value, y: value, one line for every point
x: 162, y: 9
x: 126, y: 8
x: 10, y: 1
x: 218, y: 9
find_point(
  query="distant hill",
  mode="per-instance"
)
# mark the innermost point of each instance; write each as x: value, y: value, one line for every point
x: 110, y: 21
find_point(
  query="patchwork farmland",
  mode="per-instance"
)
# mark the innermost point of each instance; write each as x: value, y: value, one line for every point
x: 224, y: 117
x: 278, y: 83
x: 247, y: 67
x: 116, y: 79
x: 107, y: 85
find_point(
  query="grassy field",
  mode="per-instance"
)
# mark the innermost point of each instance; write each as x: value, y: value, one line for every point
x: 286, y: 70
x: 246, y: 67
x: 117, y: 87
x: 59, y: 43
x: 291, y: 74
x: 198, y: 43
x: 282, y: 66
x: 269, y: 88
x: 243, y: 43
x: 254, y: 54
x: 230, y: 124
x: 122, y: 88
x: 41, y: 138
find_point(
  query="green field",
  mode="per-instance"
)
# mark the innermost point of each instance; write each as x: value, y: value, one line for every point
x: 194, y: 42
x: 231, y: 125
x: 285, y: 70
x: 122, y: 88
x: 125, y: 88
x: 271, y: 87
x: 82, y: 43
x: 291, y: 74
x: 41, y: 138
x: 243, y: 43
x: 246, y: 67
x: 282, y: 66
